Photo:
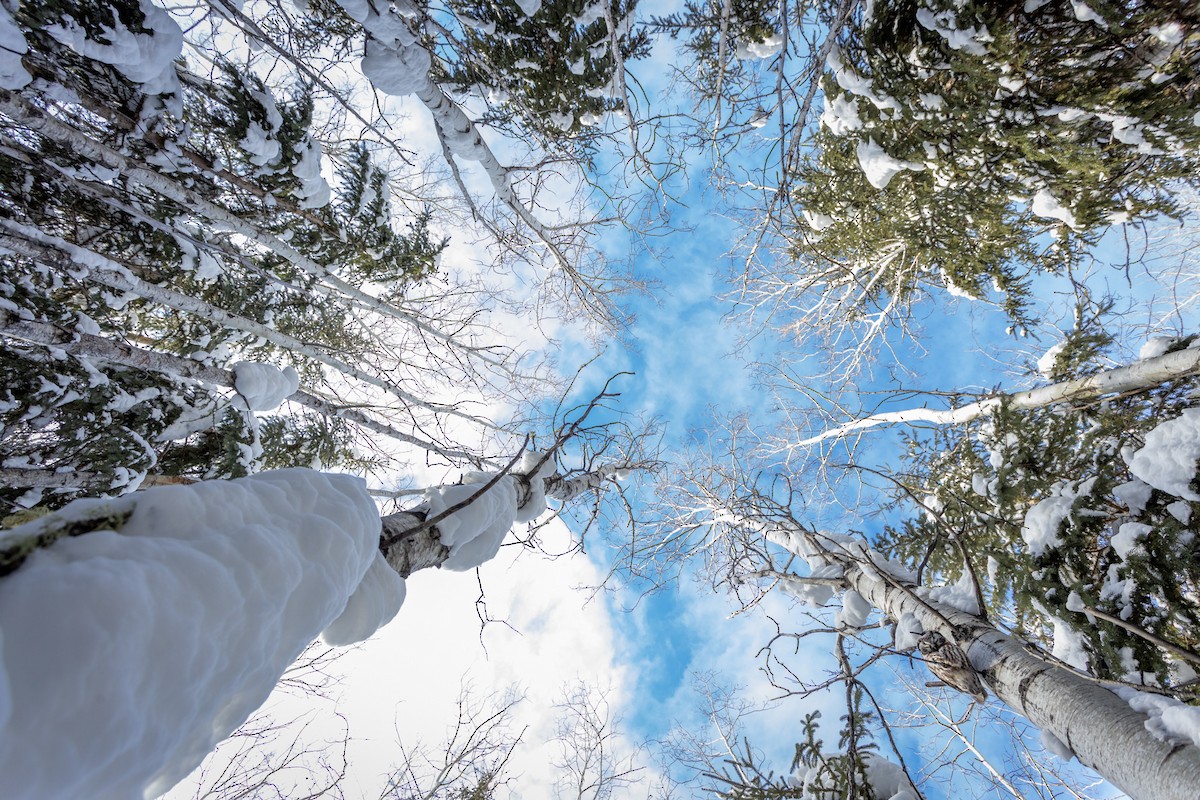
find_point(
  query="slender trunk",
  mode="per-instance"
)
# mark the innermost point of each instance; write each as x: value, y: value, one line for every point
x: 1134, y: 377
x: 47, y: 249
x: 1103, y: 731
x: 114, y: 352
x: 27, y: 114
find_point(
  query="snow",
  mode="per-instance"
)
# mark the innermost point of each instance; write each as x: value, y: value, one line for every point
x: 13, y: 74
x: 129, y: 654
x: 474, y: 533
x: 376, y: 600
x: 264, y: 386
x: 888, y: 780
x: 1046, y: 205
x: 314, y: 190
x: 1126, y: 538
x: 529, y: 7
x: 767, y: 48
x: 145, y: 58
x: 854, y: 83
x: 1168, y: 460
x: 1084, y: 13
x: 1068, y: 644
x: 1045, y: 364
x: 970, y: 40
x: 1171, y: 33
x: 818, y: 221
x: 259, y: 141
x: 960, y: 595
x: 1181, y: 511
x: 854, y: 612
x: 1168, y: 719
x: 841, y: 115
x: 879, y: 167
x: 1056, y: 746
x: 811, y: 594
x: 1040, y: 529
x: 908, y: 631
x: 535, y: 504
x: 1135, y: 494
x: 1156, y: 346
x: 397, y: 71
x: 1075, y: 602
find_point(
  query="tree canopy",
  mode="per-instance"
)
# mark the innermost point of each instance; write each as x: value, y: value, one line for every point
x: 379, y: 238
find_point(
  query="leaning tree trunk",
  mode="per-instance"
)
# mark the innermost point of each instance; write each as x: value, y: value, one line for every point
x: 411, y: 541
x: 1135, y: 377
x: 1103, y: 731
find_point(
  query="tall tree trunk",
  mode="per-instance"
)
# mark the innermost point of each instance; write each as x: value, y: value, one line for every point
x: 411, y: 541
x: 1103, y: 731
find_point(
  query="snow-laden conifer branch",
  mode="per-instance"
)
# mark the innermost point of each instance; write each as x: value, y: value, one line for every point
x: 254, y: 32
x: 397, y: 63
x: 67, y: 256
x: 100, y: 348
x: 456, y: 131
x: 1139, y: 376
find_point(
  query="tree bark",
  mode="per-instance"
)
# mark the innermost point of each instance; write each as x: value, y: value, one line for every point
x: 1103, y: 731
x: 125, y: 354
x: 1133, y: 377
x: 409, y: 543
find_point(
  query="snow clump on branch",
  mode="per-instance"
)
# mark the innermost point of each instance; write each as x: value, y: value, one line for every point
x: 474, y: 533
x: 1168, y: 460
x: 264, y: 386
x: 131, y: 649
x: 145, y: 58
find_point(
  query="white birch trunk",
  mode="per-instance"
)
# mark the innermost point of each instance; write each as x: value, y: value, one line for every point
x: 1140, y: 375
x: 22, y: 111
x: 1103, y: 731
x: 33, y: 243
x: 114, y: 352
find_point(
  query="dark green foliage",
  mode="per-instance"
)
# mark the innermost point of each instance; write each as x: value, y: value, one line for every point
x: 373, y: 251
x: 984, y: 492
x: 1097, y: 118
x: 552, y: 73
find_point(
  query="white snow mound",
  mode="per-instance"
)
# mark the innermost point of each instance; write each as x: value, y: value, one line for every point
x: 129, y: 654
x: 264, y: 386
x: 13, y: 74
x: 879, y: 167
x: 1169, y: 459
x: 475, y: 532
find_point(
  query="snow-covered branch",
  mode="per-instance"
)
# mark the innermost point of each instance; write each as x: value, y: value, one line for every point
x: 106, y: 350
x: 1139, y: 376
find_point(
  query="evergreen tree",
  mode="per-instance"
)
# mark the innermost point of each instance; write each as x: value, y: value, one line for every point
x: 746, y: 29
x: 185, y: 213
x: 1070, y: 545
x: 545, y: 67
x: 968, y: 145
